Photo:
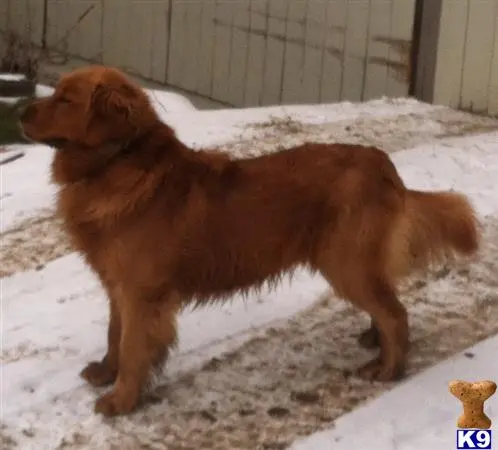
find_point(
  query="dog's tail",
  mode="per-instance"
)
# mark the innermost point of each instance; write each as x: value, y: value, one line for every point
x: 433, y: 228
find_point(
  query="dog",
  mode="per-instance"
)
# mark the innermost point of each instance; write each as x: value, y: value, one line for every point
x: 164, y: 226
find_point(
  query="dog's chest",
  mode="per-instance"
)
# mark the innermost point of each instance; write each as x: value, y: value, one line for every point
x: 121, y: 252
x: 90, y: 237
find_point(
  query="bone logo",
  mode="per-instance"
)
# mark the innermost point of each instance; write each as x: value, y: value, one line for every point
x: 474, y: 426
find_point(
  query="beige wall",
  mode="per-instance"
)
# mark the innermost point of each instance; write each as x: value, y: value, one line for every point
x: 74, y: 27
x: 259, y: 52
x: 242, y: 52
x: 467, y: 60
x: 22, y: 16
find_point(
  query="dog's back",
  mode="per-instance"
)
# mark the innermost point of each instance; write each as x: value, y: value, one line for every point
x: 269, y: 214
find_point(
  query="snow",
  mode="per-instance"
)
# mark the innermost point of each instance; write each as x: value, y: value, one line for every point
x: 467, y: 167
x: 54, y: 319
x: 219, y: 126
x: 44, y: 91
x: 168, y: 102
x: 25, y: 185
x: 12, y: 76
x: 418, y: 414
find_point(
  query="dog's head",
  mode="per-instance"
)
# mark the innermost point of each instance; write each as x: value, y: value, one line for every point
x: 91, y: 107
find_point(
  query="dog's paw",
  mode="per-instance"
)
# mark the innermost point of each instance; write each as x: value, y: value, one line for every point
x: 98, y: 374
x: 376, y: 370
x: 114, y: 403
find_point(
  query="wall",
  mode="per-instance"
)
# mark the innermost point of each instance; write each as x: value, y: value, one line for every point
x: 242, y: 52
x: 466, y: 73
x: 260, y: 52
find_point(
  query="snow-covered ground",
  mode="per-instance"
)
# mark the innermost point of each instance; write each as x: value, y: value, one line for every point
x: 419, y: 414
x: 266, y: 371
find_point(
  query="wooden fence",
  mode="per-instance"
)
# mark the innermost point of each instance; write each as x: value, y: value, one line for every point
x: 241, y: 52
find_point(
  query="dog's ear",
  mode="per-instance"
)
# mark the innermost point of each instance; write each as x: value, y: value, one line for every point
x: 113, y: 101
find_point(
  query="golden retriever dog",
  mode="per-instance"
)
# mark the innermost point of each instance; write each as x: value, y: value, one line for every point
x: 164, y: 226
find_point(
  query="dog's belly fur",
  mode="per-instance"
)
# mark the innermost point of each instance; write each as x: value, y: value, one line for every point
x: 227, y: 251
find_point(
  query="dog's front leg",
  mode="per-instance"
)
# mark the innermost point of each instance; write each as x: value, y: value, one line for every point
x: 103, y: 373
x: 148, y: 330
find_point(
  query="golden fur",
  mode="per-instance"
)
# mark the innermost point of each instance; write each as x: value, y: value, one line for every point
x: 164, y: 226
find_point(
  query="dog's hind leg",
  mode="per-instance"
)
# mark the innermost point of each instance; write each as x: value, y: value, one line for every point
x: 374, y: 295
x: 391, y: 320
x: 148, y: 330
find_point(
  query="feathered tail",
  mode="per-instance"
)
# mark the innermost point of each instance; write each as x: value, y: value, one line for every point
x: 433, y: 227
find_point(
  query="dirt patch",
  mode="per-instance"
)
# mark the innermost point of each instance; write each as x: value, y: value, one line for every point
x: 32, y: 244
x: 6, y: 442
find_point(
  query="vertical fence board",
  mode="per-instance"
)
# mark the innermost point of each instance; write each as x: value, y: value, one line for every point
x: 160, y: 41
x: 378, y: 49
x: 52, y: 19
x: 294, y: 53
x: 70, y: 30
x: 275, y: 49
x: 55, y: 25
x: 4, y: 14
x: 450, y: 59
x: 17, y: 16
x: 177, y: 42
x: 90, y: 33
x: 191, y: 45
x: 355, y: 49
x: 222, y: 50
x: 116, y: 32
x: 140, y: 30
x: 493, y: 79
x: 206, y: 52
x: 398, y: 75
x: 256, y: 60
x: 34, y: 20
x: 59, y: 17
x: 316, y: 16
x: 428, y: 33
x: 333, y: 58
x: 239, y: 53
x: 479, y: 47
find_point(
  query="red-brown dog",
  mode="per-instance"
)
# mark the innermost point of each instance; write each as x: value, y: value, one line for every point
x: 163, y: 225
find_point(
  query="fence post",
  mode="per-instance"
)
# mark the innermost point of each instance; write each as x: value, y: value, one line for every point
x: 425, y: 48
